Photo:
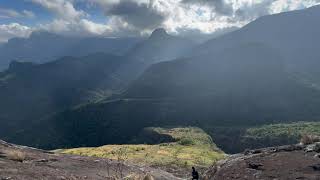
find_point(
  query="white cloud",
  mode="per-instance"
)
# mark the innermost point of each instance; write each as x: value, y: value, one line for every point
x: 193, y: 16
x: 8, y: 31
x: 10, y: 13
x: 83, y: 27
x: 289, y: 5
x: 205, y: 15
x: 132, y: 17
x: 94, y: 28
x: 64, y: 9
x: 28, y: 14
x: 69, y: 20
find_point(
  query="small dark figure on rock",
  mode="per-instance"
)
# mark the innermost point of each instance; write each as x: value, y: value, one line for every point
x: 316, y: 167
x: 254, y: 166
x: 195, y: 174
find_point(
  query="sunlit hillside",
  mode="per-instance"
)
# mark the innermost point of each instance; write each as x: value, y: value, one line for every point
x: 190, y: 147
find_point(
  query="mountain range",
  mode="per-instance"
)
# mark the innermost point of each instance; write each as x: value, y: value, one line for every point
x: 42, y: 47
x: 32, y: 91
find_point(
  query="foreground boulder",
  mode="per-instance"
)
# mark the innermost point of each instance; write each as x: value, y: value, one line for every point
x: 284, y: 162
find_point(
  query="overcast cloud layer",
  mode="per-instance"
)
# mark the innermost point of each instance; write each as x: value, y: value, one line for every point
x: 139, y: 17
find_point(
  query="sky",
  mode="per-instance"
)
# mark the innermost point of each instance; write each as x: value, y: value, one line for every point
x: 117, y: 18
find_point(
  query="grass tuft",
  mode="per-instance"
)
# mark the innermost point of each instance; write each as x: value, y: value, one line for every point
x: 15, y: 155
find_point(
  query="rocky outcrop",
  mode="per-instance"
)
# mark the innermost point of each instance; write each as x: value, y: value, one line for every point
x: 20, y: 162
x: 283, y: 162
x: 313, y: 147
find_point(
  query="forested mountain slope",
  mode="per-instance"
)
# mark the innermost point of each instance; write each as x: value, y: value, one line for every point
x: 293, y: 34
x: 30, y: 92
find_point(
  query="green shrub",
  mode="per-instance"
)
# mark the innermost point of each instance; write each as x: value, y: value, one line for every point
x: 186, y: 142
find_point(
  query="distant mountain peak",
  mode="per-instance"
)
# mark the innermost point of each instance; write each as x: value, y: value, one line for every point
x: 159, y: 33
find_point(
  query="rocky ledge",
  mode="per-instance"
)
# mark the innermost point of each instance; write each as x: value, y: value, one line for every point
x: 20, y: 162
x: 277, y: 163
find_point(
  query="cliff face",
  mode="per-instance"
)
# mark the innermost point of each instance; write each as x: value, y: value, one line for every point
x: 284, y: 162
